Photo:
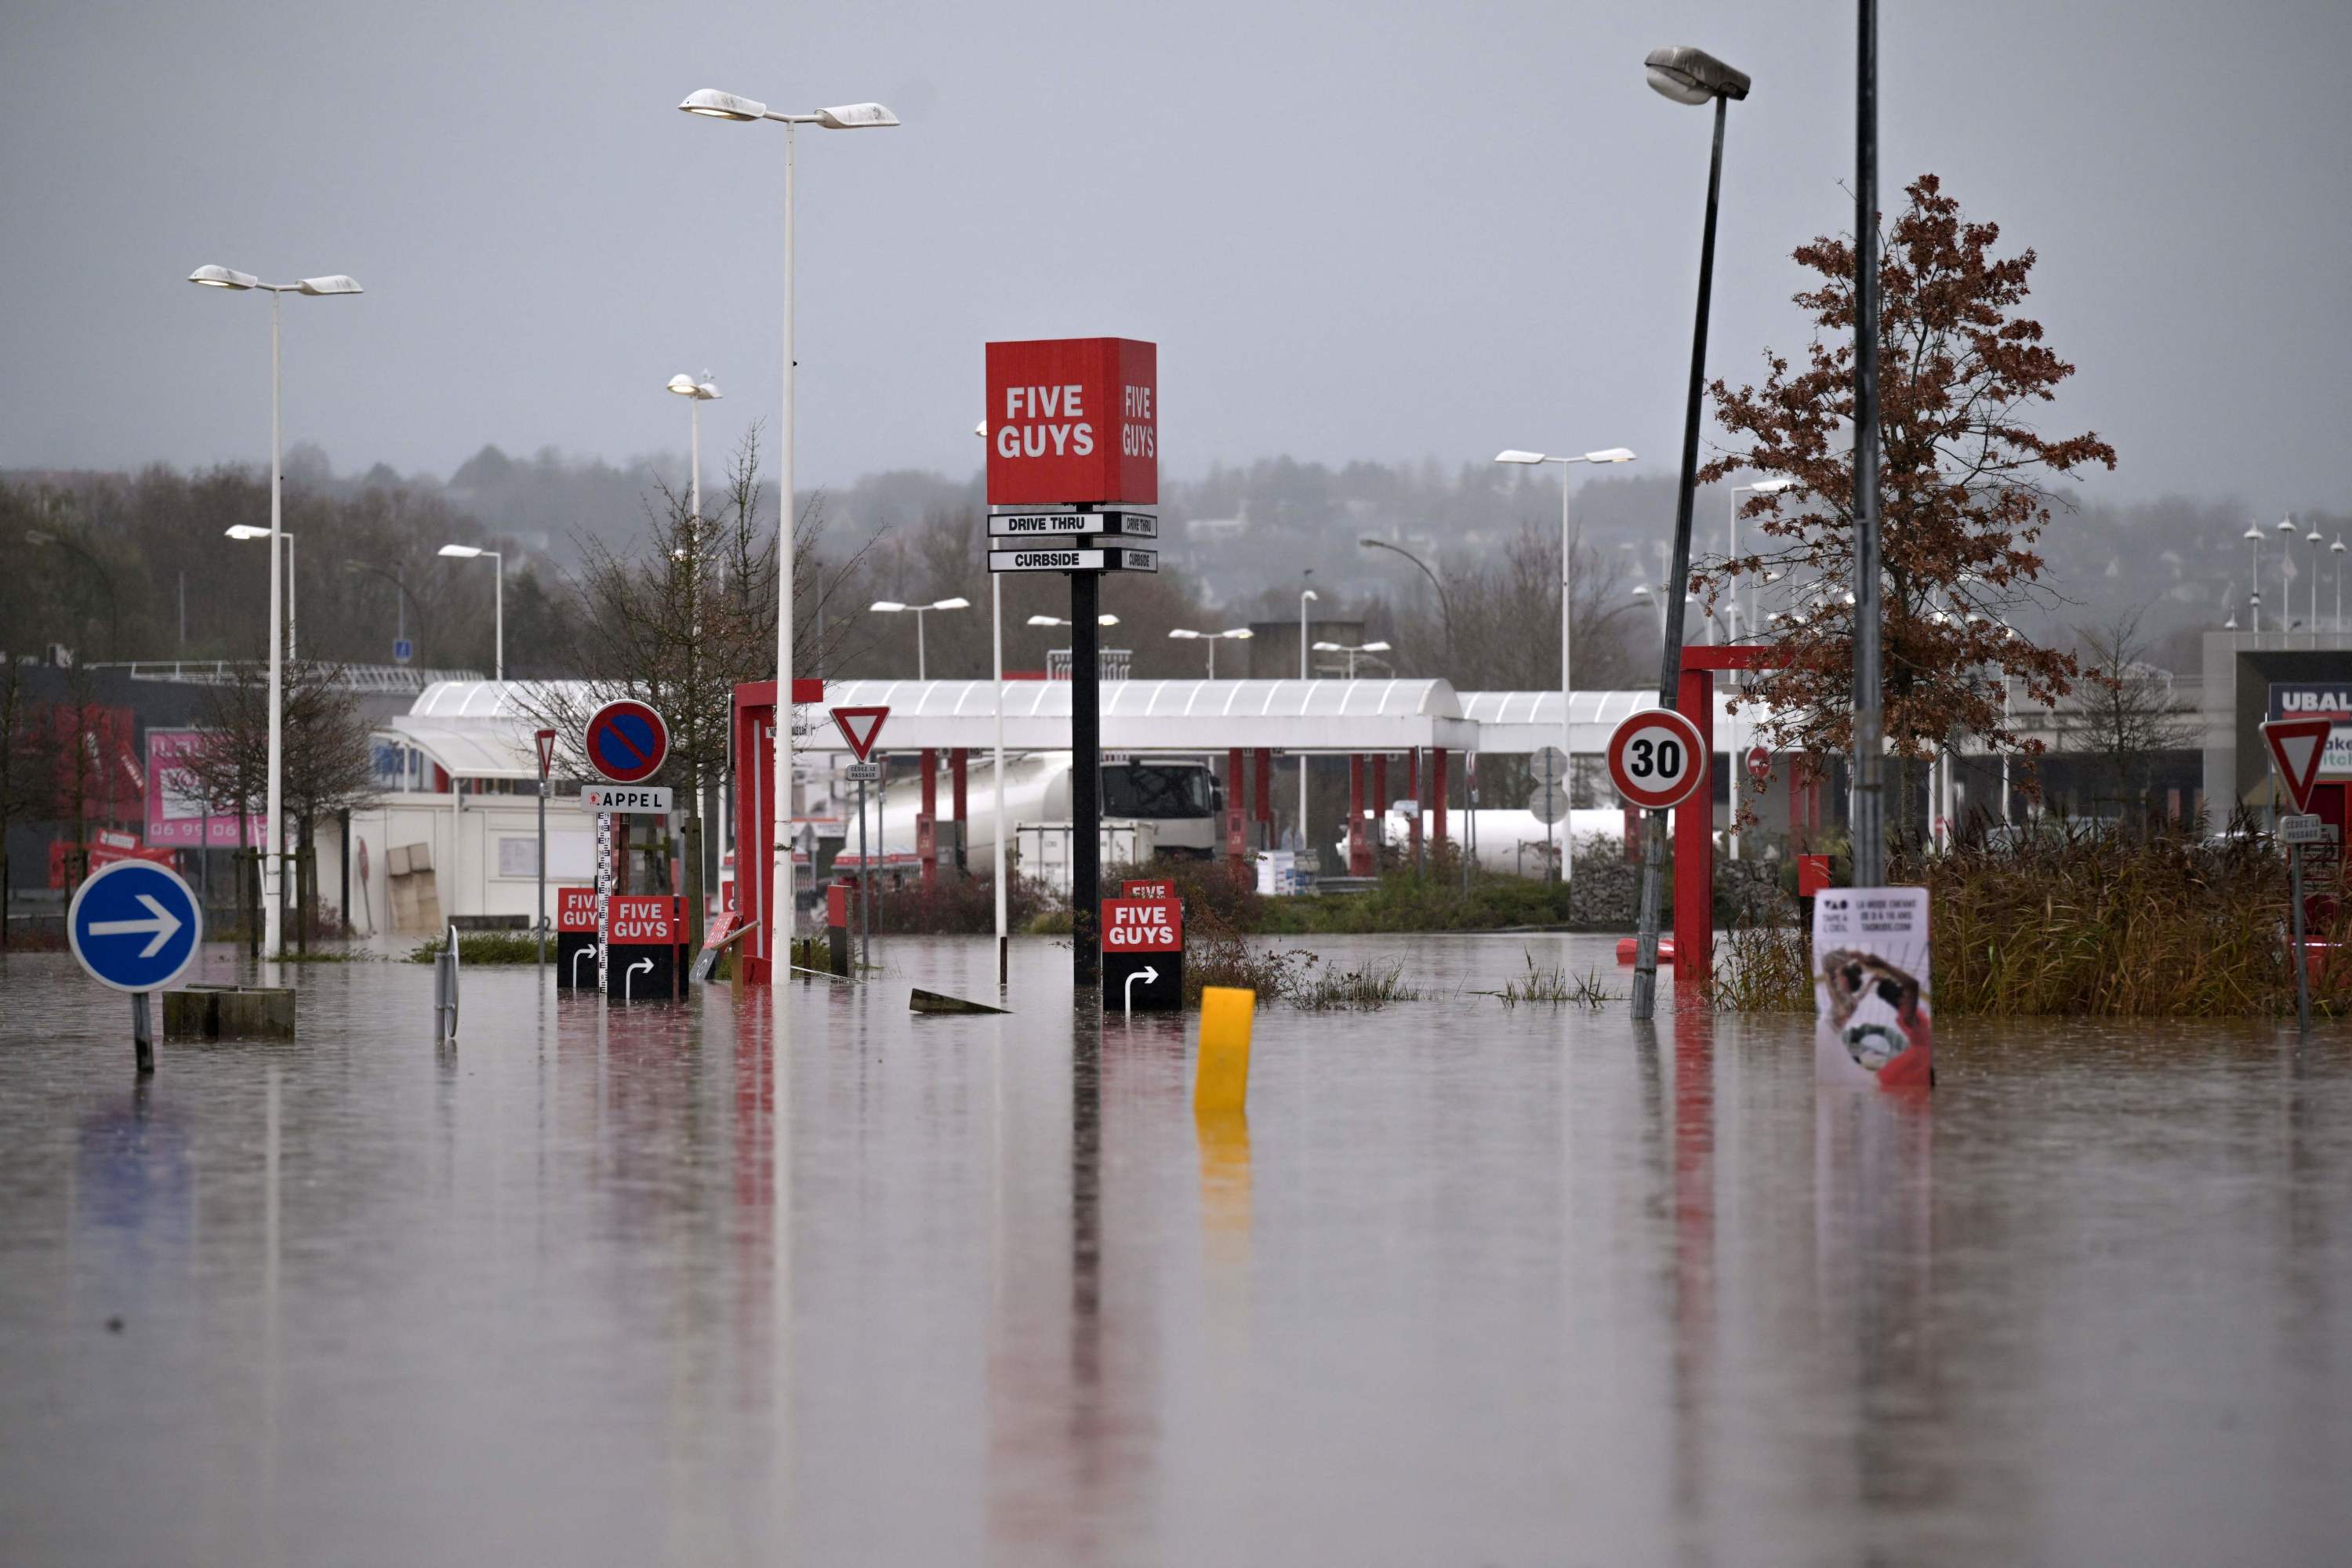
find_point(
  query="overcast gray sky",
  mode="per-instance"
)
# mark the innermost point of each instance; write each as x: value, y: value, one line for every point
x: 1376, y: 231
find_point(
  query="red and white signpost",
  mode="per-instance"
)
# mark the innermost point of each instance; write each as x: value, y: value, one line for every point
x: 2297, y: 747
x: 1143, y: 953
x: 1073, y: 431
x: 1657, y: 759
x: 861, y: 726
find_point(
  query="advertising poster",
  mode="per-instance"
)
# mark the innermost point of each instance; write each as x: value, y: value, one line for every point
x: 176, y: 817
x: 1871, y: 988
x: 2319, y: 699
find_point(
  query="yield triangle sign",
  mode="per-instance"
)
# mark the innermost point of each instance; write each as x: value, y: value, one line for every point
x: 860, y: 726
x: 2296, y: 747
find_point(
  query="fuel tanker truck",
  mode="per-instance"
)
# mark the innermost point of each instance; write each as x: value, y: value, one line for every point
x: 1179, y: 797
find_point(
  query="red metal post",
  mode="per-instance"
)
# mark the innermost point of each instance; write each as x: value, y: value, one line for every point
x: 1378, y: 805
x: 1437, y: 792
x: 1412, y: 793
x: 1695, y: 851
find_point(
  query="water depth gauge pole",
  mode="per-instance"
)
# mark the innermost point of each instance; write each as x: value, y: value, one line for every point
x: 1694, y: 77
x: 1086, y: 777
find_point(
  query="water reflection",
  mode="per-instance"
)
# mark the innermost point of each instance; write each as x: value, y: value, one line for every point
x: 802, y: 1277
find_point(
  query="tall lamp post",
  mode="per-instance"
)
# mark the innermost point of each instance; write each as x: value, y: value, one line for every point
x: 2254, y: 536
x: 1687, y: 76
x: 498, y: 647
x: 1241, y: 634
x: 893, y: 608
x: 273, y: 922
x: 713, y: 104
x: 698, y: 393
x: 243, y: 531
x: 1444, y: 604
x: 1566, y: 626
x: 2287, y: 575
x: 1306, y: 597
x: 2313, y: 541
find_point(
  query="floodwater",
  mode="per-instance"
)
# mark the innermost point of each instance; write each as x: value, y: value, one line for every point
x: 1471, y: 1285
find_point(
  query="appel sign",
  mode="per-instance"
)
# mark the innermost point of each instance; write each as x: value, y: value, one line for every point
x: 1072, y: 421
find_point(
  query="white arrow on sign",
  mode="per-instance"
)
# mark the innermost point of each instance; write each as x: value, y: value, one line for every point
x: 629, y: 978
x: 164, y: 925
x: 1146, y: 973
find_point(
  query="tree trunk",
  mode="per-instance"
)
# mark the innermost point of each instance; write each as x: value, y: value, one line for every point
x: 305, y: 874
x: 3, y: 889
x: 248, y: 874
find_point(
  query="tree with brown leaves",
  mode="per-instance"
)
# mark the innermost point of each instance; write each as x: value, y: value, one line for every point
x: 1964, y: 485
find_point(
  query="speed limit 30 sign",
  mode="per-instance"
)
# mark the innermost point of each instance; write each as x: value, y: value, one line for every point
x: 1656, y: 759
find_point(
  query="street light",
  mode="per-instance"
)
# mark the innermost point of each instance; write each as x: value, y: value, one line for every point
x: 1352, y: 650
x: 400, y: 600
x: 2254, y: 536
x: 2336, y: 549
x: 1567, y: 622
x: 714, y: 104
x: 1307, y: 596
x: 698, y: 393
x: 1731, y: 546
x: 893, y: 608
x: 1691, y: 76
x: 1444, y: 604
x: 215, y: 277
x: 467, y: 552
x: 2312, y: 540
x: 249, y: 530
x: 2287, y: 580
x: 1240, y: 633
x: 1103, y: 620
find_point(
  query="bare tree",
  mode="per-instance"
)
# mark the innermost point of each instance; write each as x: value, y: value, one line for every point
x: 2125, y: 712
x: 678, y: 621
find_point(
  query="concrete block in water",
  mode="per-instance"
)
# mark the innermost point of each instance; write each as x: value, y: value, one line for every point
x: 229, y: 1013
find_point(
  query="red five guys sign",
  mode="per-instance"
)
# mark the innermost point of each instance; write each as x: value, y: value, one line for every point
x: 1073, y: 420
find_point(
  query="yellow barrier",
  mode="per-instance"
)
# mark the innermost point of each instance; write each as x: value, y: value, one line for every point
x: 1224, y: 1081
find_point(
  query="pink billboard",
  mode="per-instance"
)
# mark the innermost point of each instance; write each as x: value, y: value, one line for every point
x: 176, y: 815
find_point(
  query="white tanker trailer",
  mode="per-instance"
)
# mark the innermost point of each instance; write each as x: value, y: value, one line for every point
x: 1179, y: 797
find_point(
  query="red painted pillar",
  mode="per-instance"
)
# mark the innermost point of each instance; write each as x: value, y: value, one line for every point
x: 1356, y: 815
x: 1378, y: 805
x: 1695, y: 850
x: 1437, y: 792
x: 927, y: 843
x: 959, y: 763
x: 1236, y: 806
x: 1412, y: 793
x: 1262, y: 796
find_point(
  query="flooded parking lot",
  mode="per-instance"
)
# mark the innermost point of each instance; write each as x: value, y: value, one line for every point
x: 1470, y: 1284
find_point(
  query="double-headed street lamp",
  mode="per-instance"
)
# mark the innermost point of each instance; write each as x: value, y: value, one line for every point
x: 2287, y: 574
x: 1101, y: 620
x: 698, y: 393
x: 272, y: 917
x: 1240, y: 634
x: 1352, y: 650
x: 1567, y: 620
x: 468, y: 553
x: 713, y: 104
x: 893, y: 608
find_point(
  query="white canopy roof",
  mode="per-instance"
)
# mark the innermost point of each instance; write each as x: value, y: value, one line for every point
x: 1162, y: 715
x: 1518, y: 722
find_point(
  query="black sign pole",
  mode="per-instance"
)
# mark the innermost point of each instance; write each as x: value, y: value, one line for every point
x: 2301, y: 954
x: 1086, y: 778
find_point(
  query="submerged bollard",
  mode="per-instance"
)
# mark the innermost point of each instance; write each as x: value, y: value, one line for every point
x: 445, y: 990
x: 142, y: 1032
x: 1223, y: 1082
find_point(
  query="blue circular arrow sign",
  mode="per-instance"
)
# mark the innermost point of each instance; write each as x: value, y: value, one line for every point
x: 135, y: 925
